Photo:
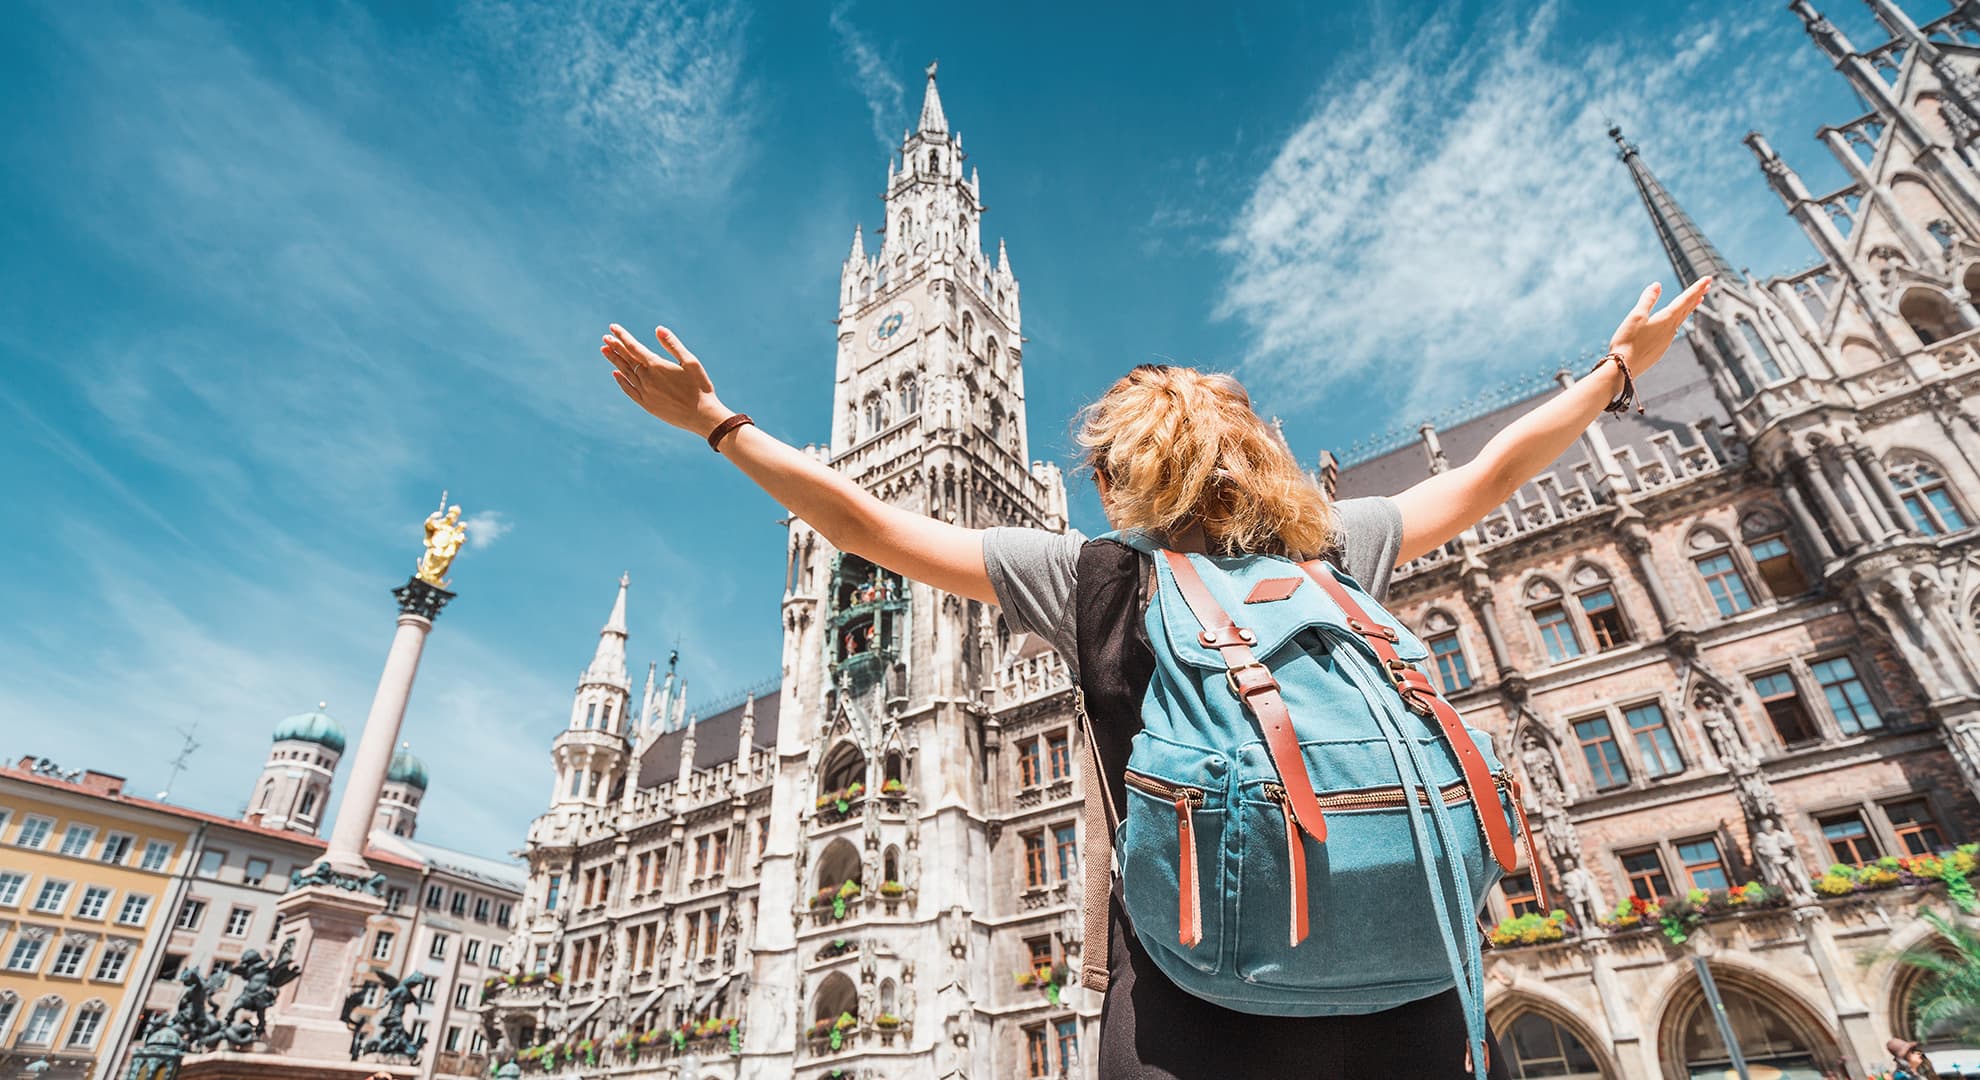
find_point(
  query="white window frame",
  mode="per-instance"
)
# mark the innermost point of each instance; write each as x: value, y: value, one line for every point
x: 54, y: 1024
x: 120, y: 957
x: 163, y: 853
x: 61, y: 904
x: 243, y: 916
x: 94, y: 1011
x: 381, y: 945
x: 195, y: 905
x: 143, y: 902
x: 79, y: 836
x: 110, y: 840
x: 249, y: 877
x: 47, y: 829
x: 39, y: 945
x: 105, y: 895
x: 436, y: 947
x: 13, y: 885
x: 75, y: 949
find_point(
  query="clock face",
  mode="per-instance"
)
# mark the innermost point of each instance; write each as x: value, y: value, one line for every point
x: 887, y: 327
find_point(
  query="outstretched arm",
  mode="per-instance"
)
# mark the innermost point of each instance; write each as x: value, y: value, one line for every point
x: 676, y: 388
x: 1439, y: 508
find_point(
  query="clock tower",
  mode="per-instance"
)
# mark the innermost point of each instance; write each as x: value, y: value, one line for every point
x: 885, y: 753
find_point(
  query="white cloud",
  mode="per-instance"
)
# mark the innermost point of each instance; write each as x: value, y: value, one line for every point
x: 1460, y: 216
x: 485, y: 528
x: 886, y: 98
x: 654, y: 85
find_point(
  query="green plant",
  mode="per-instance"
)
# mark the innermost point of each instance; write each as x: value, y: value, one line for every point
x: 1531, y: 928
x: 1950, y: 995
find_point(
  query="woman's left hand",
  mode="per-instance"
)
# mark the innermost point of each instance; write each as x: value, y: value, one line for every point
x: 1644, y: 335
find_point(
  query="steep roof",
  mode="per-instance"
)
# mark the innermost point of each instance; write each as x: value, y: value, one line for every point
x: 714, y: 740
x: 1676, y: 394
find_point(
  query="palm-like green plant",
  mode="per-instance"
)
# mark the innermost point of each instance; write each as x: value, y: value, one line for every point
x: 1949, y: 999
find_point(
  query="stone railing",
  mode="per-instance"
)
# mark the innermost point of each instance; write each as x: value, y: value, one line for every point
x: 1030, y: 678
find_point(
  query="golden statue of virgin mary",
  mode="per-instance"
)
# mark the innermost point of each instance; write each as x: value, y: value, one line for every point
x: 445, y: 533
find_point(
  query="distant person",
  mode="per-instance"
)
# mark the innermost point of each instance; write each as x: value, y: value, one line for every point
x: 1912, y: 1064
x: 1179, y: 457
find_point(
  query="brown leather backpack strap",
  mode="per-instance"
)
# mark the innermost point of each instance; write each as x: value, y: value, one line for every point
x: 1254, y: 685
x: 1422, y: 698
x: 1097, y: 859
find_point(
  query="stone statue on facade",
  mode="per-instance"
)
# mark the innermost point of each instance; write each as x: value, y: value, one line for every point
x: 445, y: 533
x: 1716, y: 715
x: 1780, y: 863
x: 1543, y: 775
x: 1583, y: 895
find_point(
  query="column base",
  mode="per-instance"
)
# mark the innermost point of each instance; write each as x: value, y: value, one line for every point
x: 232, y: 1065
x: 331, y: 924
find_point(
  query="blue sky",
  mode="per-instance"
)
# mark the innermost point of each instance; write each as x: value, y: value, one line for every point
x: 275, y: 277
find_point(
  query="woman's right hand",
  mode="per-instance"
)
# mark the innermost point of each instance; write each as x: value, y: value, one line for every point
x: 678, y: 393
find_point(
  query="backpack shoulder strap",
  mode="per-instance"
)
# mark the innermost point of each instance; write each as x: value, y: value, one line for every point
x: 1097, y: 821
x: 1422, y: 698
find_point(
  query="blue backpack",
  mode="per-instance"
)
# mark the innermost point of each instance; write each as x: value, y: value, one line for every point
x: 1310, y: 830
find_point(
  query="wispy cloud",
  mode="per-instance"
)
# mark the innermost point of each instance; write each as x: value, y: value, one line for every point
x: 656, y: 85
x: 485, y: 528
x: 886, y: 98
x: 1463, y: 207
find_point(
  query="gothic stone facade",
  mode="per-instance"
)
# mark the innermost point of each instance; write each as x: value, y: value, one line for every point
x: 1731, y: 639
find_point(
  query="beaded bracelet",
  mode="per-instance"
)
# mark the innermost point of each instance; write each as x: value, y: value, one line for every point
x: 1622, y: 401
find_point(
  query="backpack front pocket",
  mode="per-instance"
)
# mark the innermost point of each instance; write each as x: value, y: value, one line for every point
x: 1354, y: 911
x: 1172, y: 848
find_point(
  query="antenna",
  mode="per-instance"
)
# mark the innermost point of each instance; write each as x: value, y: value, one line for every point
x: 179, y: 763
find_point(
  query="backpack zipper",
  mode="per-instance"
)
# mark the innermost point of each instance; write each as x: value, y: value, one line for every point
x: 1189, y: 913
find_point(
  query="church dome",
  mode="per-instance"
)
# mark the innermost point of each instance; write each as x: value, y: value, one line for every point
x: 315, y: 727
x: 406, y: 769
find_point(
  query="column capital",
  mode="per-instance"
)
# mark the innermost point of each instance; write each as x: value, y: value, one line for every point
x: 421, y: 598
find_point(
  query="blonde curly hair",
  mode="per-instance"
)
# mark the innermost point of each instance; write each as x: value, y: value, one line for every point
x: 1179, y: 446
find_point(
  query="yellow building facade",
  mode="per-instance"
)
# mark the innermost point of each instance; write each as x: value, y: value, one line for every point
x: 88, y: 881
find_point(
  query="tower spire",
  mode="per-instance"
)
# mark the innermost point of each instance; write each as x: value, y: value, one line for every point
x: 932, y: 120
x: 1692, y: 255
x: 608, y: 664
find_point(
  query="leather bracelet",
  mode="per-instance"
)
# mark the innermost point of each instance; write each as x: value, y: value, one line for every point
x: 722, y: 429
x: 1627, y: 397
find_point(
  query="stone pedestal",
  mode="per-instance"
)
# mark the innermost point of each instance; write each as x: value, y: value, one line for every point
x: 228, y: 1065
x: 330, y: 937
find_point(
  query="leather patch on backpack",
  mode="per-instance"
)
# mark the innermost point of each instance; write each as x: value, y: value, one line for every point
x: 1271, y: 589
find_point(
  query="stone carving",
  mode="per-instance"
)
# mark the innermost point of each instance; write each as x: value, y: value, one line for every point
x: 1780, y: 863
x: 1716, y: 715
x: 1543, y: 774
x: 1584, y: 896
x: 322, y: 874
x: 394, y: 1039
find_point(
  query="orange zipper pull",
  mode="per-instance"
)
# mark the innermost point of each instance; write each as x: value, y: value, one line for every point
x: 1189, y: 917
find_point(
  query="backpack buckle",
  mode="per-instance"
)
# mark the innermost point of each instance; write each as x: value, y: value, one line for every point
x: 1373, y: 630
x: 1244, y: 683
x: 1411, y: 689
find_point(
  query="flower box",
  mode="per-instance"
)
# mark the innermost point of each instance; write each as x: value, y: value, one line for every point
x: 892, y: 890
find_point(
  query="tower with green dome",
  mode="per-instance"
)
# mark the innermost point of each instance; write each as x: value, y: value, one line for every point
x: 398, y: 800
x: 293, y: 791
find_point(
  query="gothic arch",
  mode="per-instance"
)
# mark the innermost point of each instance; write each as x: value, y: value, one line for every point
x: 1683, y: 1028
x: 838, y: 864
x: 1915, y: 198
x: 1969, y: 278
x: 842, y: 765
x: 836, y: 996
x: 1539, y: 589
x: 1760, y: 521
x: 1510, y: 1009
x: 991, y: 354
x: 1859, y: 355
x: 1929, y: 496
x: 968, y: 333
x: 890, y: 864
x: 888, y: 996
x: 1930, y: 314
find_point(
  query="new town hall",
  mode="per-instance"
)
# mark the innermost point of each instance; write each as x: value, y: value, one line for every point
x: 1734, y: 639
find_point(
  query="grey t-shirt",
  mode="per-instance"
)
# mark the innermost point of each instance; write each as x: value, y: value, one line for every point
x: 1034, y: 571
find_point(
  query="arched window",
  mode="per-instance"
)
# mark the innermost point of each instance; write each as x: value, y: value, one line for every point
x: 843, y: 767
x: 996, y: 426
x: 892, y: 768
x: 962, y: 230
x: 1537, y: 1046
x: 10, y: 1005
x: 308, y: 803
x: 1766, y: 1033
x: 887, y: 996
x: 990, y: 353
x: 836, y: 997
x: 1597, y: 596
x: 1765, y: 531
x: 1440, y: 633
x: 910, y: 395
x: 267, y: 793
x: 1922, y: 488
x: 934, y: 163
x: 42, y: 1022
x: 1720, y: 572
x: 1763, y: 355
x: 1929, y: 315
x: 968, y: 333
x: 1729, y: 359
x: 891, y: 864
x: 838, y: 865
x: 1550, y: 617
x: 907, y: 227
